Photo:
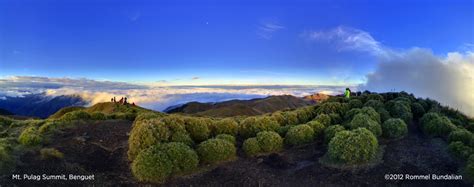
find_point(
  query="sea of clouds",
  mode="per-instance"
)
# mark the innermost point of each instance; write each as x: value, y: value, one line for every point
x: 150, y: 96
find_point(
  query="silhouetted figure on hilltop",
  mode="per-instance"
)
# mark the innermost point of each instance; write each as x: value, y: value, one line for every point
x: 125, y: 101
x: 347, y: 93
x: 121, y: 101
x: 115, y: 100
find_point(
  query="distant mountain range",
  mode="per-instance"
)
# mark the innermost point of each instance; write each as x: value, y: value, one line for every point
x: 242, y: 107
x: 38, y: 105
x: 42, y: 106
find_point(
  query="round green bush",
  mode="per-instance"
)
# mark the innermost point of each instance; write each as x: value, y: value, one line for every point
x: 175, y: 123
x: 377, y: 97
x: 152, y: 165
x: 335, y: 118
x: 197, y: 128
x: 251, y: 147
x: 214, y: 150
x: 331, y: 131
x: 183, y: 158
x: 461, y: 135
x: 291, y: 118
x: 98, y: 116
x: 278, y: 116
x: 332, y: 107
x: 417, y: 110
x: 324, y: 119
x: 30, y: 136
x: 355, y: 103
x: 250, y: 126
x: 283, y: 130
x: 363, y: 120
x: 369, y: 111
x: 146, y: 133
x: 469, y: 169
x: 5, y: 122
x: 318, y: 128
x: 7, y: 162
x: 436, y: 125
x: 394, y: 128
x: 299, y: 134
x: 353, y: 147
x: 225, y: 126
x: 76, y: 115
x: 384, y: 114
x: 374, y: 115
x: 375, y: 104
x: 351, y: 113
x: 227, y: 137
x: 269, y: 141
x: 182, y: 137
x: 400, y: 109
x: 51, y: 154
x: 51, y: 126
x: 147, y: 115
x: 303, y: 115
x: 459, y: 150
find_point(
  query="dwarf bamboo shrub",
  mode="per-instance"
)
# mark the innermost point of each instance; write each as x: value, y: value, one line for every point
x: 435, y: 125
x: 461, y: 135
x: 51, y: 154
x: 363, y: 120
x: 459, y: 150
x: 225, y: 126
x: 214, y: 150
x: 250, y: 126
x: 269, y: 141
x: 198, y: 128
x: 299, y: 134
x: 317, y: 127
x: 251, y: 147
x: 353, y: 147
x: 355, y: 103
x: 331, y: 131
x: 265, y: 142
x: 323, y: 119
x: 30, y: 136
x: 394, y: 128
x: 291, y: 118
x: 76, y: 115
x: 227, y: 137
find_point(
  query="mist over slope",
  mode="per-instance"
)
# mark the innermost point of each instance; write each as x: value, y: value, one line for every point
x: 449, y: 80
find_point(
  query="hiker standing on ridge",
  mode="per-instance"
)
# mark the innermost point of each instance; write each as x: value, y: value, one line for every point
x: 347, y: 93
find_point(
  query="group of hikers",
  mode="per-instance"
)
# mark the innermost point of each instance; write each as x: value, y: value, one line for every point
x: 122, y: 101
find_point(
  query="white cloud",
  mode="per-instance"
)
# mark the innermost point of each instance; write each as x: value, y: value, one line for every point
x: 266, y: 29
x: 348, y: 39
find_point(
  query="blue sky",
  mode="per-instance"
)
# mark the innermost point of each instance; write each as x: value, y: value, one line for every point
x: 222, y: 42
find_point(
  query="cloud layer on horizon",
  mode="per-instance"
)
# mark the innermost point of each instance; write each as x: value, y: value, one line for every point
x: 154, y: 97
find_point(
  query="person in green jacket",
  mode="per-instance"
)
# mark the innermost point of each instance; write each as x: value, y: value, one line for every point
x: 347, y: 93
